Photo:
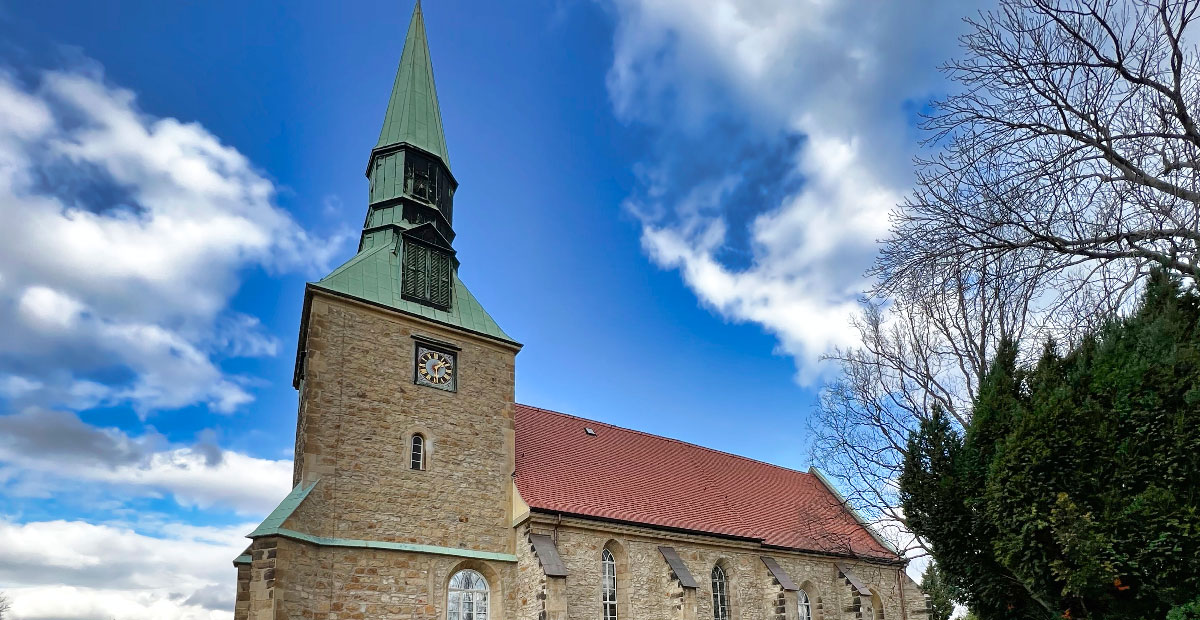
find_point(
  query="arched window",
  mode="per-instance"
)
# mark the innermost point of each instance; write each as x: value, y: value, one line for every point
x: 805, y: 609
x: 417, y: 453
x: 608, y: 590
x: 468, y: 596
x: 720, y: 594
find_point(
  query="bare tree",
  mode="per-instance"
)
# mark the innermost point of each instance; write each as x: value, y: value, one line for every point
x: 926, y: 344
x: 5, y: 606
x: 1074, y: 137
x: 1066, y: 167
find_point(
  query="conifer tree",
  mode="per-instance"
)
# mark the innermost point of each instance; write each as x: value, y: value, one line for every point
x: 1073, y: 491
x: 938, y: 594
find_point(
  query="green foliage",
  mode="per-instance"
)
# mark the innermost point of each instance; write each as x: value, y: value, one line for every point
x: 1186, y: 611
x: 1074, y: 489
x: 941, y: 595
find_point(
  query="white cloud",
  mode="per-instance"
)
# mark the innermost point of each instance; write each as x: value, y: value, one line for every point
x: 190, y: 476
x: 56, y: 452
x: 15, y: 387
x: 796, y: 118
x: 241, y: 335
x: 84, y: 571
x: 48, y: 308
x: 123, y: 242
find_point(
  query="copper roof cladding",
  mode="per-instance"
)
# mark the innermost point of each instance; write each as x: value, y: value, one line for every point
x: 626, y: 475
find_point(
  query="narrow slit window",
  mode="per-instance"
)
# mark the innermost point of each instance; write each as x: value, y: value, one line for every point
x: 608, y: 595
x: 720, y: 594
x: 805, y: 609
x: 417, y: 453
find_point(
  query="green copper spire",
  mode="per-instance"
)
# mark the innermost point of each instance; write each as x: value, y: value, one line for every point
x: 406, y: 259
x: 413, y: 115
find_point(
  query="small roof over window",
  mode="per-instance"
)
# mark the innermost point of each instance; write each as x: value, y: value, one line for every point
x: 547, y: 554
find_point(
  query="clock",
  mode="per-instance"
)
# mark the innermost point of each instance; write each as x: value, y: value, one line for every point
x: 435, y: 368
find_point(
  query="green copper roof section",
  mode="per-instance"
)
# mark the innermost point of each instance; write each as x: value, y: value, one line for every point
x: 325, y: 541
x: 275, y: 520
x: 373, y: 275
x: 413, y: 115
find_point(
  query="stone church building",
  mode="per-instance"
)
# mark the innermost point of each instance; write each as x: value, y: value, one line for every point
x: 423, y: 491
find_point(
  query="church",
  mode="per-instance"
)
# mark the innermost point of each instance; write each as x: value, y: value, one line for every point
x: 422, y: 490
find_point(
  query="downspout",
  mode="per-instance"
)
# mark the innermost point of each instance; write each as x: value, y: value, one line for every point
x: 900, y: 585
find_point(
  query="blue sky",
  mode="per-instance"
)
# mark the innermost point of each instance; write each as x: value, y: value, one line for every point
x: 670, y: 204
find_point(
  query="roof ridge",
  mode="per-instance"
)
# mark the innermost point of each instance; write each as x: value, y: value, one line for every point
x: 671, y: 439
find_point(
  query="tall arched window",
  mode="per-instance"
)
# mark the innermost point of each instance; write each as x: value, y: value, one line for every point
x: 608, y: 589
x: 468, y: 596
x: 720, y: 594
x: 805, y: 609
x: 417, y: 453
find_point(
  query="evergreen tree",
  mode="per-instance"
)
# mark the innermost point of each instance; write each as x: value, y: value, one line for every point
x: 1074, y: 489
x: 938, y: 594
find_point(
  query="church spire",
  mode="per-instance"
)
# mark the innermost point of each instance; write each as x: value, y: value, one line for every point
x: 406, y: 258
x: 409, y: 170
x: 413, y: 115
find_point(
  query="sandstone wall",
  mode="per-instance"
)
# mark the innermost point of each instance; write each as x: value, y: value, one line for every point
x: 359, y: 409
x: 531, y: 584
x: 298, y: 580
x: 241, y: 605
x: 647, y: 591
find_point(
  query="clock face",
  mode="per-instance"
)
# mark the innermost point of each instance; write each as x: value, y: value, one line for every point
x: 435, y: 368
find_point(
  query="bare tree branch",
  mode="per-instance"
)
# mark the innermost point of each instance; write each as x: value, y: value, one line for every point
x: 1063, y: 170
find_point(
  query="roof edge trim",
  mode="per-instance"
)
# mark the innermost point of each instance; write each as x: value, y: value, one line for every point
x: 316, y: 286
x: 284, y: 510
x: 679, y: 530
x: 667, y: 528
x: 887, y: 544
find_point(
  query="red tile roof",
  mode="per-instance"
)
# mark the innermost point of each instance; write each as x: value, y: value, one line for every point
x: 630, y: 476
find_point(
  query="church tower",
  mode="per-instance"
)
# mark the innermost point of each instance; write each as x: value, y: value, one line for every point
x: 404, y: 453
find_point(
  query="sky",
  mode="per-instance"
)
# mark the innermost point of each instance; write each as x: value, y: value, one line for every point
x: 670, y: 203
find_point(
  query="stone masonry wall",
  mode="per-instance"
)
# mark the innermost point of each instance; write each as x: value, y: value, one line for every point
x: 241, y: 605
x: 338, y: 583
x: 652, y: 594
x: 260, y: 586
x: 531, y: 582
x: 359, y: 409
